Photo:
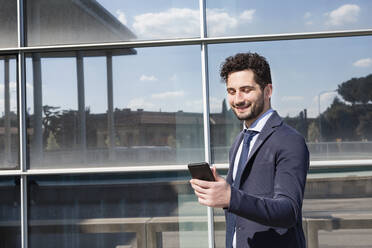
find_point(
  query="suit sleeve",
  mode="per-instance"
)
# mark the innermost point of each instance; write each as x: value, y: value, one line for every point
x: 283, y: 209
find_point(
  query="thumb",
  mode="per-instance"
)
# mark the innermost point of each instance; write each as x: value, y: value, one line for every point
x: 215, y: 173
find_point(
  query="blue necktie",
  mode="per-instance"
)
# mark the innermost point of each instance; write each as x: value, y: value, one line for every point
x: 248, y: 135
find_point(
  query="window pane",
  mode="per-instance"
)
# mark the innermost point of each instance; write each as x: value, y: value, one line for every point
x: 337, y: 71
x: 9, y: 144
x: 89, y: 21
x: 8, y: 20
x: 337, y: 206
x: 116, y: 211
x: 114, y: 108
x: 241, y: 17
x: 10, y: 225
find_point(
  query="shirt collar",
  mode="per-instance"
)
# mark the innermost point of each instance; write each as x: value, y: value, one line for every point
x: 258, y: 124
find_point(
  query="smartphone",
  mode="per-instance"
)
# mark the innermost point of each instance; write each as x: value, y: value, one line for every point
x: 201, y: 171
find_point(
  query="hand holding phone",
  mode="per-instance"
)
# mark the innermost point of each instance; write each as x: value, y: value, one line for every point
x: 201, y: 171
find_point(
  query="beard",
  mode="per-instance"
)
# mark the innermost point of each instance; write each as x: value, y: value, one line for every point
x: 256, y: 110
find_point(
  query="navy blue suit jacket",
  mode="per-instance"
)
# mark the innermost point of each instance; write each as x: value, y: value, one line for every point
x: 268, y: 202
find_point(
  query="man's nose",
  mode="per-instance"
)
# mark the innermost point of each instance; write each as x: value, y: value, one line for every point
x: 238, y: 97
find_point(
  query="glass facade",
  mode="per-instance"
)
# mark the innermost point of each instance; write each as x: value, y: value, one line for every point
x: 117, y: 109
x: 304, y: 88
x: 10, y: 221
x: 8, y: 18
x: 107, y: 102
x: 52, y: 22
x: 9, y: 139
x: 289, y: 16
x: 114, y: 210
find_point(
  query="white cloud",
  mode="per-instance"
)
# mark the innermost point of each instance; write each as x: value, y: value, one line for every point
x: 345, y: 14
x: 140, y: 103
x: 215, y: 105
x: 184, y: 22
x: 174, y: 22
x: 307, y: 15
x: 292, y: 98
x: 148, y: 78
x: 247, y: 15
x: 220, y: 22
x: 174, y: 77
x: 194, y: 105
x: 325, y: 99
x: 121, y: 16
x: 367, y: 62
x: 12, y: 86
x: 169, y: 94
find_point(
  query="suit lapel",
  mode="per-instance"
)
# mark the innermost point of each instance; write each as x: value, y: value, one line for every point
x: 267, y: 130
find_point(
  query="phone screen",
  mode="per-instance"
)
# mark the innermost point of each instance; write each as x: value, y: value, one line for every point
x: 201, y: 171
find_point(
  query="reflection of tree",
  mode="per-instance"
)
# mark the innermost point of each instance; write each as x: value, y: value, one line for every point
x: 340, y: 121
x: 357, y: 90
x: 51, y: 122
x: 52, y: 142
x: 364, y: 129
x: 349, y: 120
x: 300, y: 123
x: 313, y: 134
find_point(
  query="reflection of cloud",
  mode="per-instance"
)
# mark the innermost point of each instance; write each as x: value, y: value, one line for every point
x: 307, y: 15
x: 292, y: 98
x: 12, y: 97
x: 326, y: 97
x: 345, y: 14
x: 325, y: 100
x: 219, y: 22
x: 173, y: 22
x: 367, y: 62
x: 12, y: 87
x: 174, y: 77
x: 148, y: 78
x: 140, y: 103
x: 184, y: 22
x: 121, y: 16
x: 194, y: 105
x: 169, y: 94
x: 247, y: 15
x: 215, y: 105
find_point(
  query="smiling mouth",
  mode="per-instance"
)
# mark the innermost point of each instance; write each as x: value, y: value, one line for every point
x: 240, y: 108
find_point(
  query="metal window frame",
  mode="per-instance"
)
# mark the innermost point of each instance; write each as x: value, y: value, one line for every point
x: 203, y: 41
x: 21, y: 74
x: 189, y: 41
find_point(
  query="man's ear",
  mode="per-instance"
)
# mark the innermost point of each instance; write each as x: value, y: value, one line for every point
x: 268, y: 91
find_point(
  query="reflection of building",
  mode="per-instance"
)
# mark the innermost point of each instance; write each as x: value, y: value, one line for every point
x: 161, y: 136
x: 88, y: 21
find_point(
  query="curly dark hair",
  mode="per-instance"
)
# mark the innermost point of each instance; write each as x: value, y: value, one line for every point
x: 247, y: 61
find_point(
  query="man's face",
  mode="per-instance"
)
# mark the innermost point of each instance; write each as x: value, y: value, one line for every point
x: 245, y: 96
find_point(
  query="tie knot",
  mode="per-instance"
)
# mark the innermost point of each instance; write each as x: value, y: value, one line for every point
x: 248, y: 135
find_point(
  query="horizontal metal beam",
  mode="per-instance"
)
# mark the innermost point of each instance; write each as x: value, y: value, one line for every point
x: 190, y: 41
x: 158, y: 168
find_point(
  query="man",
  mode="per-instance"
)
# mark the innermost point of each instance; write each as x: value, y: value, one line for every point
x: 263, y: 192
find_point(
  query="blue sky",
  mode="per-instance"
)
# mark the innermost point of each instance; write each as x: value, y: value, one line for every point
x: 169, y: 78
